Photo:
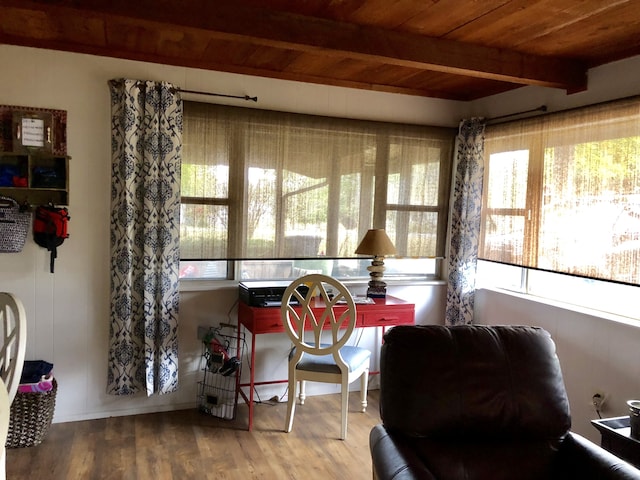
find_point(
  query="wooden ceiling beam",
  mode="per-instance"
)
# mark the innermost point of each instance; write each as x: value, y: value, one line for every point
x: 222, y: 19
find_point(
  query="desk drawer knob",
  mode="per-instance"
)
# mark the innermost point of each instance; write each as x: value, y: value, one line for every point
x: 392, y: 319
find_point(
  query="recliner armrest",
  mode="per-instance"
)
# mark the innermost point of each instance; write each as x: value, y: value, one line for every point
x: 583, y: 459
x: 393, y: 459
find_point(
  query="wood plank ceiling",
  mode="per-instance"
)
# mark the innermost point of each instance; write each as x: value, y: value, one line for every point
x: 450, y: 49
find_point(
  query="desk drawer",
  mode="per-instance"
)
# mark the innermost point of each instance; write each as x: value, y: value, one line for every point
x: 386, y: 319
x: 267, y: 325
x: 260, y: 320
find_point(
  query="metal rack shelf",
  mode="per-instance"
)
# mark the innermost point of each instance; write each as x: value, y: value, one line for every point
x: 221, y: 367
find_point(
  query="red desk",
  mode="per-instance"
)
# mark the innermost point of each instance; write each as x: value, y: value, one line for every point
x: 386, y: 312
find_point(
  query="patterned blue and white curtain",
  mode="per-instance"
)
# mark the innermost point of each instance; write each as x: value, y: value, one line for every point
x: 465, y: 221
x: 146, y: 145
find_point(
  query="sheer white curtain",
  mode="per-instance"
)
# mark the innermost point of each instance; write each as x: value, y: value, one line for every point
x: 563, y: 192
x: 261, y: 184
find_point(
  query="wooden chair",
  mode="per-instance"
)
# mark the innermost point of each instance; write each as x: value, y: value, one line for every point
x: 319, y: 315
x: 13, y: 322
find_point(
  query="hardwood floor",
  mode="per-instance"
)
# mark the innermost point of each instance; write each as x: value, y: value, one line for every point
x: 190, y: 445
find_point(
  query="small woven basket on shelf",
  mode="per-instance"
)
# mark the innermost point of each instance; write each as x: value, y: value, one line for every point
x: 31, y: 416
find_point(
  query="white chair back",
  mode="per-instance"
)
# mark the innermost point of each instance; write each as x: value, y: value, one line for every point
x: 13, y: 322
x: 305, y: 326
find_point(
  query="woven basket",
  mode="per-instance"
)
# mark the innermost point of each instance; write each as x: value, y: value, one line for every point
x: 14, y: 225
x: 31, y: 416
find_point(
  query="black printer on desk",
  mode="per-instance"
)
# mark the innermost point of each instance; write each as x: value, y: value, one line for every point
x: 263, y: 293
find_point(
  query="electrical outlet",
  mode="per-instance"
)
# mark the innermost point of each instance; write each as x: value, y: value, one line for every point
x: 598, y: 400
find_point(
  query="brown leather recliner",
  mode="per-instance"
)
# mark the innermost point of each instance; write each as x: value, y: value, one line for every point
x: 479, y: 403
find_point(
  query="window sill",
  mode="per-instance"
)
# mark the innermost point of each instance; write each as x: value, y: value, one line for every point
x: 612, y: 317
x: 208, y: 285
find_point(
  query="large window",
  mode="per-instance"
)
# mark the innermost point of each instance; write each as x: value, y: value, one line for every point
x: 562, y: 194
x: 288, y: 193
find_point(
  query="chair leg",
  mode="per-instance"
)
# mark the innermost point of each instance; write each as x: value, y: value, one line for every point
x: 291, y: 402
x: 364, y: 383
x: 345, y: 407
x: 303, y: 391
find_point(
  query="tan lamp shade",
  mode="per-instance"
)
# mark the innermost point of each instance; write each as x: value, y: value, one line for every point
x: 376, y: 242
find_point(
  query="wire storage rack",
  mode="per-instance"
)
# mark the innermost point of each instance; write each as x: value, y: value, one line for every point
x: 221, y: 367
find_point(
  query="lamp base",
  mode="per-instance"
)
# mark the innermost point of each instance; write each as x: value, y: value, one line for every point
x: 376, y: 293
x: 377, y: 289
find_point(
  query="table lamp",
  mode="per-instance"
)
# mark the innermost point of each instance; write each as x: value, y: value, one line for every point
x: 376, y: 243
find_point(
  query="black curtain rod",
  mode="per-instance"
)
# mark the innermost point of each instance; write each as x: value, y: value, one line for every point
x: 241, y: 97
x: 541, y: 108
x: 196, y: 92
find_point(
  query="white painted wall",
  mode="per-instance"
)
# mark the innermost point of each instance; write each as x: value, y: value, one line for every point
x: 596, y: 353
x: 68, y: 311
